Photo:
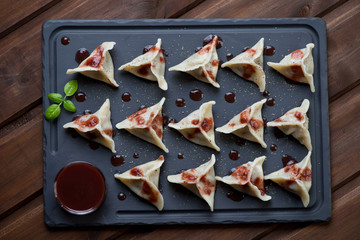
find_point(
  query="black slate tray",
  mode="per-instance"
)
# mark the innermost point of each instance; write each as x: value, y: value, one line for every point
x: 180, y: 38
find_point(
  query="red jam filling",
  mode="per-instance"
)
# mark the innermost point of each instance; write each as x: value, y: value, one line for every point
x: 96, y: 59
x: 241, y: 174
x: 92, y: 121
x: 297, y: 55
x: 136, y: 172
x: 207, y: 124
x: 189, y: 177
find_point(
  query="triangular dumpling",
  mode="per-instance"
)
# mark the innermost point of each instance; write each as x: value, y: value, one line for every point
x: 98, y: 65
x: 248, y: 178
x: 144, y: 180
x: 147, y: 124
x: 96, y: 127
x: 249, y: 64
x: 198, y: 126
x: 298, y: 66
x: 295, y: 178
x: 248, y: 124
x: 150, y: 66
x: 200, y: 180
x: 202, y: 65
x: 296, y: 123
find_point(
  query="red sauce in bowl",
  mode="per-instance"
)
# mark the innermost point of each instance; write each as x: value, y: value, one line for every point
x: 80, y: 188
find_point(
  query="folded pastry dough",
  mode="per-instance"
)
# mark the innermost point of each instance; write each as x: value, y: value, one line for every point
x: 143, y: 180
x: 150, y: 66
x: 202, y: 65
x: 296, y: 123
x: 147, y: 124
x: 200, y: 180
x: 295, y: 178
x: 96, y: 127
x: 198, y: 126
x: 98, y: 65
x: 298, y: 66
x: 248, y: 178
x: 248, y: 124
x: 249, y: 65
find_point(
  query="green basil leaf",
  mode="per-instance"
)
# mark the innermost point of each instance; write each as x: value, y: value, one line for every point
x: 52, y: 112
x: 56, y: 97
x: 71, y: 87
x: 68, y: 105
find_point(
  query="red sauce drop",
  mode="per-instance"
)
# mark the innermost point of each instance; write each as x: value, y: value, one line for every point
x: 96, y: 59
x: 299, y: 116
x: 251, y: 51
x: 80, y: 96
x: 297, y: 73
x: 230, y: 97
x: 235, y: 196
x: 94, y: 145
x: 121, y: 196
x: 240, y: 142
x: 270, y: 102
x: 92, y: 121
x: 195, y: 121
x: 259, y: 183
x: 126, y: 96
x: 207, y: 124
x: 81, y: 55
x: 241, y: 173
x: 80, y: 187
x: 117, y: 160
x: 189, y: 177
x: 210, y: 37
x: 269, y: 50
x: 208, y: 187
x: 136, y: 155
x: 288, y: 160
x: 245, y: 115
x: 273, y: 147
x: 65, y: 40
x: 196, y: 94
x: 229, y: 56
x: 180, y: 102
x: 146, y: 189
x: 180, y: 156
x: 248, y: 70
x: 234, y: 155
x: 256, y: 123
x: 144, y: 69
x: 136, y: 172
x: 109, y: 132
x: 297, y: 55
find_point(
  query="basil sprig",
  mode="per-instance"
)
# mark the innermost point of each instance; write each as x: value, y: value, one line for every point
x: 53, y: 111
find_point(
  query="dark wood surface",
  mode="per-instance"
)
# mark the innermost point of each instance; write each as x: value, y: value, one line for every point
x: 21, y: 203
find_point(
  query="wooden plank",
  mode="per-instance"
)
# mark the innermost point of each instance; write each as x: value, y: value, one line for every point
x: 262, y: 8
x: 28, y: 223
x: 13, y: 13
x: 343, y: 46
x: 21, y: 160
x: 175, y: 8
x: 345, y: 207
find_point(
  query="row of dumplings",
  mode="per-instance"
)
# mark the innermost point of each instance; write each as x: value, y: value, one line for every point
x: 247, y: 178
x: 197, y: 127
x: 203, y: 65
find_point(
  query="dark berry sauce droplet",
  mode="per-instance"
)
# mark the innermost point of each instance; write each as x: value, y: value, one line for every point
x: 126, y: 96
x: 180, y: 156
x: 80, y: 96
x: 180, y: 102
x: 121, y: 196
x: 229, y: 56
x: 210, y: 37
x: 235, y: 196
x: 65, y: 40
x: 81, y: 55
x: 234, y: 155
x: 136, y: 155
x: 230, y: 97
x: 288, y: 160
x: 273, y: 147
x: 270, y: 102
x: 266, y: 94
x: 196, y: 94
x: 117, y: 160
x: 269, y: 50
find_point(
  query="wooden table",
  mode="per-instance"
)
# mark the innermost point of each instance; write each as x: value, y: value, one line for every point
x: 21, y: 113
